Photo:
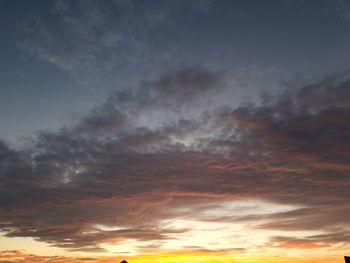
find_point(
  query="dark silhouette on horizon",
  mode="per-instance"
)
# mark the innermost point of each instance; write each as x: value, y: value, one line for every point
x: 124, y: 261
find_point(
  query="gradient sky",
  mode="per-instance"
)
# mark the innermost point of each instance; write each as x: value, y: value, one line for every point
x: 174, y: 131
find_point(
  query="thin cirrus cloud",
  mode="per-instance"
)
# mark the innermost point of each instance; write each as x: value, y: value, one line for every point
x: 86, y: 34
x: 91, y: 41
x: 129, y: 176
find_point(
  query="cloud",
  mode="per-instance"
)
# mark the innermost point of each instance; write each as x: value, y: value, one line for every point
x: 93, y: 41
x: 312, y: 241
x: 114, y: 177
x: 17, y: 256
x: 89, y: 39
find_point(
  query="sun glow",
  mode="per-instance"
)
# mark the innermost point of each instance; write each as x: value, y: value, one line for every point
x: 227, y: 257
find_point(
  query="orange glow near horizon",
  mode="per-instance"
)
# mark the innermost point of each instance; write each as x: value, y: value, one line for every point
x: 168, y: 257
x: 205, y: 241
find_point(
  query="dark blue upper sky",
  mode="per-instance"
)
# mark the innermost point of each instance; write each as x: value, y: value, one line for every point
x: 59, y: 58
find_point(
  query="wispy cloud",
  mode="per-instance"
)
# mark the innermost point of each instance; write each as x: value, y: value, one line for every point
x: 87, y: 38
x: 92, y: 40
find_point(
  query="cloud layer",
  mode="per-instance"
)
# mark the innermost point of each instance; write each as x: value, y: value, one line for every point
x: 157, y: 153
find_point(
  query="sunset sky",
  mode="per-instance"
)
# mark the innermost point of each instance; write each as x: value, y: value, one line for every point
x: 174, y: 131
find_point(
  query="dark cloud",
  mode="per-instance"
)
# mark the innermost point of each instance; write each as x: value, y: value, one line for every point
x: 156, y: 102
x: 312, y: 241
x: 113, y: 177
x: 185, y: 85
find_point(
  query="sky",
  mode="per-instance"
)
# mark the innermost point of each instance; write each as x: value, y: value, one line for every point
x: 174, y: 131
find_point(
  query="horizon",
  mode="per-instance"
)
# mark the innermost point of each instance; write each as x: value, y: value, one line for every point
x: 174, y: 131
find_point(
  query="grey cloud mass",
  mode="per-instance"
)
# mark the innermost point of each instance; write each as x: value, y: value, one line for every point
x: 116, y: 169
